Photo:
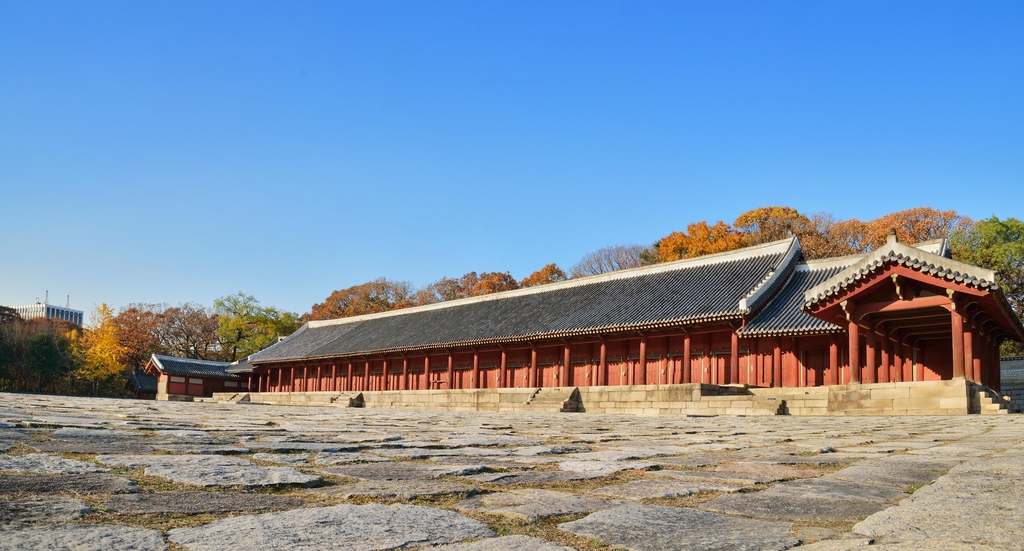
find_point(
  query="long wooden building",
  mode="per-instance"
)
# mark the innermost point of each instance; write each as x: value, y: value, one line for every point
x: 760, y: 316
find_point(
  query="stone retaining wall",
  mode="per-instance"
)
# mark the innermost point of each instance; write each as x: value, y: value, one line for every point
x: 915, y: 398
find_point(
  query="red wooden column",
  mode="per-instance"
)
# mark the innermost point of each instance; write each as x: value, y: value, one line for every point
x: 451, y: 372
x: 387, y: 376
x: 426, y: 372
x: 476, y: 369
x: 833, y: 362
x: 979, y: 352
x: 405, y: 374
x: 777, y: 363
x: 366, y: 376
x: 565, y: 369
x: 958, y: 340
x: 305, y: 381
x: 884, y: 368
x: 869, y: 355
x: 319, y: 378
x: 259, y: 383
x: 533, y: 367
x: 503, y: 370
x: 687, y: 365
x: 602, y: 368
x: 734, y: 358
x: 854, y: 331
x: 664, y: 377
x: 643, y: 362
x: 897, y: 361
x: 348, y: 378
x: 969, y: 353
x: 280, y: 380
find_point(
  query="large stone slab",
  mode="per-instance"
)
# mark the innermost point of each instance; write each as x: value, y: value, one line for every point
x: 41, y: 509
x: 402, y: 489
x: 539, y: 477
x: 829, y: 488
x: 199, y: 502
x: 98, y: 483
x: 784, y: 507
x: 80, y: 537
x: 718, y: 477
x: 341, y: 458
x: 655, y: 528
x: 649, y: 489
x: 400, y: 470
x: 903, y: 475
x: 171, y: 460
x: 90, y: 447
x: 350, y: 527
x: 233, y: 475
x: 532, y: 504
x: 978, y: 503
x: 604, y: 468
x: 283, y: 458
x: 507, y: 543
x: 223, y: 449
x: 301, y: 447
x: 41, y: 463
x: 488, y: 440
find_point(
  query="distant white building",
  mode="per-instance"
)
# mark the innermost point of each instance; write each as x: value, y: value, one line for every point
x: 50, y: 311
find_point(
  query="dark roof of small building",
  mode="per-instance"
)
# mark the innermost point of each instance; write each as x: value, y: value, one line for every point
x: 784, y: 315
x: 142, y: 382
x: 240, y: 366
x: 706, y: 289
x: 189, y: 366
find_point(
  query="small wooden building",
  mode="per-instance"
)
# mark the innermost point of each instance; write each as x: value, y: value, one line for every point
x: 186, y: 378
x: 141, y: 385
x: 762, y: 316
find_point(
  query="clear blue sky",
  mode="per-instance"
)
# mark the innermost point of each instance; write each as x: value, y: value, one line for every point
x: 179, y: 151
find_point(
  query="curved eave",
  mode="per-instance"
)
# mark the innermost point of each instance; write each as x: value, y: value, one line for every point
x: 792, y: 332
x: 844, y: 280
x: 510, y: 339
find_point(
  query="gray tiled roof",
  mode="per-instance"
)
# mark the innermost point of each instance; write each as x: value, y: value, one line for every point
x: 904, y: 255
x: 784, y: 315
x: 711, y: 288
x: 142, y: 381
x: 188, y: 366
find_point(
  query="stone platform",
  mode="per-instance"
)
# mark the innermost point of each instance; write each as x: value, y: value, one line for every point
x: 956, y: 397
x: 104, y: 474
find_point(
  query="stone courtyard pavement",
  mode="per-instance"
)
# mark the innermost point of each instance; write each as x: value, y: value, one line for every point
x: 100, y: 474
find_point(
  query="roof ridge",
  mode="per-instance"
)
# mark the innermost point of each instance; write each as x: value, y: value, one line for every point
x: 894, y: 251
x: 717, y: 258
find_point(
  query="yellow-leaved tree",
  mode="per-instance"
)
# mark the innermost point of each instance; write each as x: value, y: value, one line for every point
x: 104, y: 356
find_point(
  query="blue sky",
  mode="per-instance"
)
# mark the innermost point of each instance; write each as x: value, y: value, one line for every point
x: 181, y: 151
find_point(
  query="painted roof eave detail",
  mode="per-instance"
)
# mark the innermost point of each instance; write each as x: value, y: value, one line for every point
x: 898, y: 253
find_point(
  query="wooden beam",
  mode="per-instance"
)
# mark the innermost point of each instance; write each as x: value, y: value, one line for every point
x: 867, y: 308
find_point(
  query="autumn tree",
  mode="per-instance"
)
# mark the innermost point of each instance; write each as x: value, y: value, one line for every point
x: 471, y: 285
x: 189, y: 331
x: 379, y: 295
x: 699, y: 239
x: 550, y: 273
x: 138, y: 332
x: 104, y: 355
x: 245, y: 327
x: 766, y: 224
x: 914, y: 226
x: 608, y: 259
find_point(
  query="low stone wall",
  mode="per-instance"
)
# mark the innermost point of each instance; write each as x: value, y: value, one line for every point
x: 1012, y: 378
x: 914, y: 398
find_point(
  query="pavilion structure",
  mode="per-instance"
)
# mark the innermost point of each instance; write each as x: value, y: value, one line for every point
x: 760, y: 317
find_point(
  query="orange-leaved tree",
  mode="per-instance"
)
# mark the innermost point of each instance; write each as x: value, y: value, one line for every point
x: 915, y: 225
x: 699, y: 239
x: 550, y: 273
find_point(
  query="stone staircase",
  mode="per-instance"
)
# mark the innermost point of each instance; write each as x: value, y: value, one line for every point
x: 225, y: 398
x: 348, y: 400
x: 989, y: 402
x: 554, y: 400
